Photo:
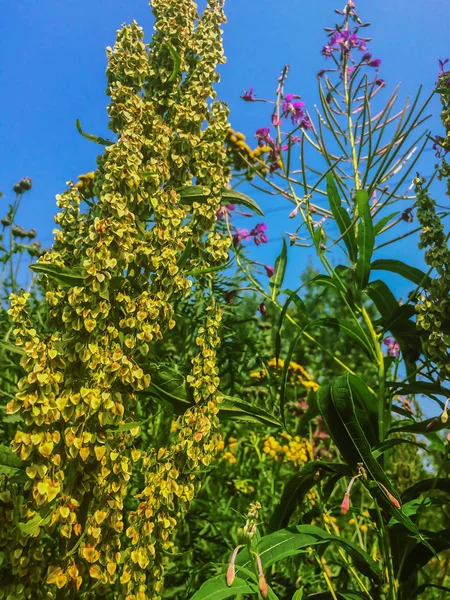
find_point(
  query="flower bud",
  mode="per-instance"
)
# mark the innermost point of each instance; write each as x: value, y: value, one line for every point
x: 262, y: 309
x: 6, y: 221
x: 26, y: 184
x: 345, y: 506
x: 263, y: 586
x: 231, y: 573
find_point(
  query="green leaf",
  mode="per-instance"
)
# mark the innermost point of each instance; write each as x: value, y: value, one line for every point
x: 342, y: 218
x: 9, y: 461
x: 347, y: 595
x: 176, y: 61
x: 337, y: 407
x: 366, y: 239
x: 382, y: 222
x: 40, y: 519
x: 200, y: 193
x: 235, y: 197
x: 347, y: 327
x: 292, y: 297
x: 400, y: 268
x: 298, y: 487
x: 294, y: 540
x: 93, y: 138
x: 199, y: 272
x: 216, y: 588
x: 62, y: 275
x: 442, y: 484
x: 388, y: 444
x: 239, y: 410
x: 276, y: 281
x: 11, y: 348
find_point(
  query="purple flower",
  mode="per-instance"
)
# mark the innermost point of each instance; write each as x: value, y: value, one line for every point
x: 392, y: 346
x: 376, y: 62
x: 263, y: 136
x: 407, y: 215
x: 380, y: 82
x: 293, y: 109
x: 442, y: 64
x: 239, y: 235
x: 327, y: 50
x: 248, y: 96
x: 258, y: 234
x: 224, y: 210
x: 269, y: 271
x: 276, y: 120
x: 437, y: 146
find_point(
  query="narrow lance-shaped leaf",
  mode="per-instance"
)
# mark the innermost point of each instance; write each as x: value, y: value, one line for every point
x: 400, y: 268
x: 93, y: 138
x: 63, y: 275
x: 366, y: 239
x: 176, y: 61
x: 199, y: 193
x: 276, y: 281
x: 342, y: 218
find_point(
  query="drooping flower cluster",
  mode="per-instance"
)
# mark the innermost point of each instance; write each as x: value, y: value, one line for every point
x: 433, y: 307
x: 118, y: 280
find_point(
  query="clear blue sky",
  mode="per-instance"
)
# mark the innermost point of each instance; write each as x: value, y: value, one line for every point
x: 53, y: 63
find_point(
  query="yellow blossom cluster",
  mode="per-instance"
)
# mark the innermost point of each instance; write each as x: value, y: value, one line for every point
x: 111, y: 286
x: 239, y: 153
x: 291, y: 448
x: 296, y: 372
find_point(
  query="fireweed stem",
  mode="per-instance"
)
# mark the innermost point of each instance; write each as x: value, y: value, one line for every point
x: 350, y: 126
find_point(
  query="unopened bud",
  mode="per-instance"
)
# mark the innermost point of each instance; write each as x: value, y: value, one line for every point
x: 231, y: 573
x: 293, y: 214
x: 263, y: 586
x: 391, y: 498
x: 345, y: 506
x: 444, y: 417
x: 26, y: 184
x: 262, y: 309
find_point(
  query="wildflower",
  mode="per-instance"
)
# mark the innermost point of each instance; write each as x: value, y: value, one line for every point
x: 444, y: 415
x: 269, y: 271
x: 262, y: 580
x: 263, y: 136
x: 225, y: 210
x: 438, y: 147
x: 248, y: 96
x: 442, y: 64
x: 293, y: 109
x: 258, y: 234
x: 252, y: 518
x: 239, y: 235
x: 327, y: 50
x: 345, y: 506
x: 379, y: 82
x: 231, y: 572
x: 367, y: 58
x: 392, y: 346
x: 407, y: 215
x: 276, y: 120
x: 392, y: 500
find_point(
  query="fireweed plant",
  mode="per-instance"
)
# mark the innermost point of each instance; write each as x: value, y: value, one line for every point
x: 368, y: 160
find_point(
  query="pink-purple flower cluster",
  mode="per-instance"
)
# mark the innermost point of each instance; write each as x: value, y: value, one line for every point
x: 257, y: 233
x: 393, y: 348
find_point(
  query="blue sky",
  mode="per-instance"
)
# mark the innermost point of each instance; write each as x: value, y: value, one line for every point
x: 53, y: 64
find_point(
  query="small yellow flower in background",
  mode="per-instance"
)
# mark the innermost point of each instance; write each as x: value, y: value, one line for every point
x: 297, y: 451
x: 297, y: 371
